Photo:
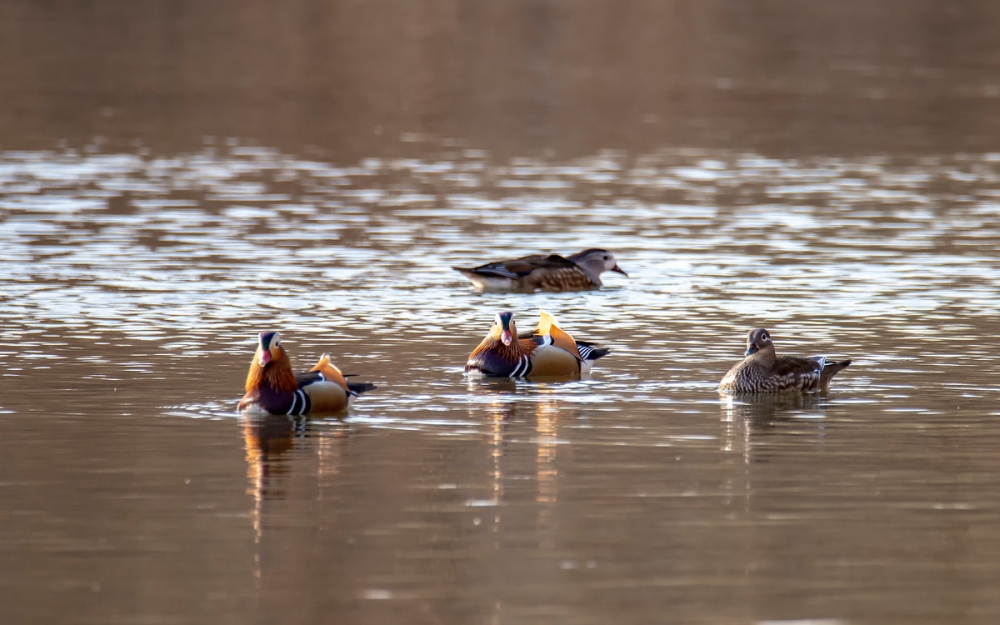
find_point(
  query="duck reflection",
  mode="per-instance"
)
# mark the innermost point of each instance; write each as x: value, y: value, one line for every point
x: 332, y: 451
x: 752, y: 420
x: 503, y: 411
x: 276, y: 444
x: 268, y: 440
x: 272, y: 442
x: 524, y: 414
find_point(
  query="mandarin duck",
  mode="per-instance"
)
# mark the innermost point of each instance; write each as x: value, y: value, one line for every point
x: 272, y: 388
x: 762, y: 371
x: 545, y: 273
x: 547, y: 351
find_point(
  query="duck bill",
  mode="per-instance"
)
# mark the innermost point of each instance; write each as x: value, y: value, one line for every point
x: 506, y: 337
x: 618, y: 269
x: 751, y: 350
x: 265, y: 357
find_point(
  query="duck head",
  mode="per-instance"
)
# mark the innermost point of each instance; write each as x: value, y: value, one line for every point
x: 758, y: 340
x: 595, y: 261
x: 268, y: 348
x: 504, y: 328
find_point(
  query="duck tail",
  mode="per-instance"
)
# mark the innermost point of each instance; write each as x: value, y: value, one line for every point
x: 833, y: 368
x: 591, y: 352
x: 356, y: 388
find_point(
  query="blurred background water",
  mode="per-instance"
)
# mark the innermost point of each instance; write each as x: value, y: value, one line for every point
x: 177, y: 176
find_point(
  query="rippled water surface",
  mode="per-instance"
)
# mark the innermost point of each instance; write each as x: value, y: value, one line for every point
x: 134, y: 286
x: 155, y: 214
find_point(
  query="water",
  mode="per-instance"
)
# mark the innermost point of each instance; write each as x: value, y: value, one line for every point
x: 141, y: 251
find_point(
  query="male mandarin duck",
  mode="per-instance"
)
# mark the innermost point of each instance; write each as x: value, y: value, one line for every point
x: 762, y: 371
x: 548, y: 351
x: 272, y: 388
x: 546, y: 273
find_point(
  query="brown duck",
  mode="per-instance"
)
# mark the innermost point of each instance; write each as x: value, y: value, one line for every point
x: 546, y: 352
x: 544, y: 273
x: 762, y: 371
x: 272, y: 388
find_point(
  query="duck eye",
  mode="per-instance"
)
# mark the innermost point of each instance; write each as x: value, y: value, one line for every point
x: 605, y: 258
x: 763, y: 337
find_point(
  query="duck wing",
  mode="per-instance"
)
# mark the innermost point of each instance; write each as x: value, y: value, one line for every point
x: 310, y: 377
x: 519, y: 267
x: 792, y: 365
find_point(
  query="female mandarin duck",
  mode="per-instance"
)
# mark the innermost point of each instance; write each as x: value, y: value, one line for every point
x: 546, y: 273
x: 272, y: 388
x: 548, y: 351
x: 762, y: 371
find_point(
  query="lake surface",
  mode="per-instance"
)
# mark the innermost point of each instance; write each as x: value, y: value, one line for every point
x: 831, y: 174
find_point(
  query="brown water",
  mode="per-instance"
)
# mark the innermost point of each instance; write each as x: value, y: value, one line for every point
x: 175, y: 178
